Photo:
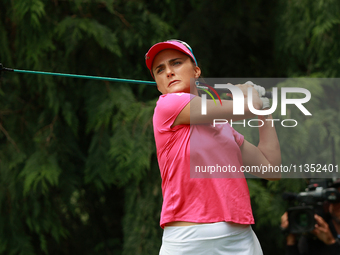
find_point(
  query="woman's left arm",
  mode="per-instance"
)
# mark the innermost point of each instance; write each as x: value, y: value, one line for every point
x: 267, y: 155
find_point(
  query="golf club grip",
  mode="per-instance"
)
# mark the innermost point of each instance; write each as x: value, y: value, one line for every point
x: 268, y: 94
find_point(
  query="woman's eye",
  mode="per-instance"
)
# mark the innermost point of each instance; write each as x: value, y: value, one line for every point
x: 177, y: 62
x: 160, y: 70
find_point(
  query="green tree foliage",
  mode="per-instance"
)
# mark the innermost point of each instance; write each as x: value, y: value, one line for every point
x: 78, y: 171
x: 306, y: 46
x: 308, y: 36
x: 71, y: 150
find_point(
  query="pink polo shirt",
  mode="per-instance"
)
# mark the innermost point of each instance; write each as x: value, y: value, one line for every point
x: 183, y: 151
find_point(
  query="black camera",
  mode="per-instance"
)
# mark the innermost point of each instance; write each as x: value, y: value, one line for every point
x: 312, y: 201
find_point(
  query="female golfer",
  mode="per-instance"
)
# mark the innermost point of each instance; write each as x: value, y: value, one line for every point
x: 203, y: 215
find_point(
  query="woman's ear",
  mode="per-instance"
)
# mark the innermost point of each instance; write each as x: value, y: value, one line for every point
x: 197, y: 72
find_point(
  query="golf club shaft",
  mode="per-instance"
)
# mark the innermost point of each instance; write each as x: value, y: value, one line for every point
x: 268, y: 94
x: 87, y: 77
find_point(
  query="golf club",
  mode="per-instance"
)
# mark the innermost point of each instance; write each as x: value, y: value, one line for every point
x: 2, y: 68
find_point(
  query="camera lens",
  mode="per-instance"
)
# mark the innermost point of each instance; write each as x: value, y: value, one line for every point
x: 301, y: 219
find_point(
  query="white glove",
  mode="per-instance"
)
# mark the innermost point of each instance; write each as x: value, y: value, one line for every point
x: 265, y: 103
x: 262, y: 92
x: 259, y: 89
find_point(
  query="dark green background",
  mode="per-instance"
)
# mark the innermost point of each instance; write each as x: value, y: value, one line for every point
x: 78, y: 171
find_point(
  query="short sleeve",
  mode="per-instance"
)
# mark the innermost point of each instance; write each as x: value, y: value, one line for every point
x: 167, y: 109
x: 238, y: 137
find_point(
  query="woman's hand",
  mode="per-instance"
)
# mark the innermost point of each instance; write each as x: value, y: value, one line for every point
x: 257, y: 102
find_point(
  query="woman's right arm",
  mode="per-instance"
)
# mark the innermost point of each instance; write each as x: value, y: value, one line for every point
x: 191, y: 113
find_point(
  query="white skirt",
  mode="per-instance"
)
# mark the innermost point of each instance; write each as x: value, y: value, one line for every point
x: 221, y: 238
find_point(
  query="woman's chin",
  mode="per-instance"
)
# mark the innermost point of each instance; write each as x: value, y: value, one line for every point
x: 178, y: 89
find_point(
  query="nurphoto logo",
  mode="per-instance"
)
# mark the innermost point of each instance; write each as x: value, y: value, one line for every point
x: 239, y: 103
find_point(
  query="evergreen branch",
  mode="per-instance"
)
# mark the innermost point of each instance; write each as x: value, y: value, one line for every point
x: 50, y: 127
x: 9, y: 137
x: 121, y: 17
